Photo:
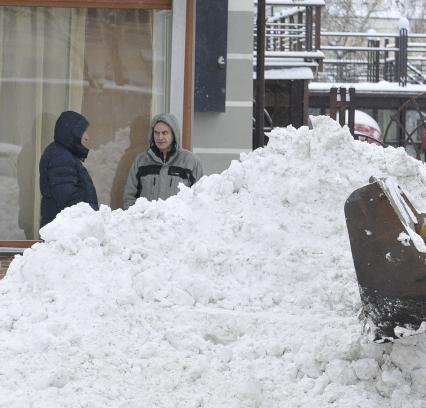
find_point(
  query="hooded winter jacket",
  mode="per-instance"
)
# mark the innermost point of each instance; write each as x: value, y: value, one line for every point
x: 154, y: 178
x: 64, y: 181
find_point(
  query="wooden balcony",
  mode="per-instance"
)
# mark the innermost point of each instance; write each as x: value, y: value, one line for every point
x: 293, y: 34
x: 293, y: 37
x: 373, y: 57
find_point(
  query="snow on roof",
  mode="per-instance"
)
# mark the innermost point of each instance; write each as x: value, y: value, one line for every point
x: 288, y: 12
x: 288, y: 73
x: 294, y: 2
x: 370, y: 87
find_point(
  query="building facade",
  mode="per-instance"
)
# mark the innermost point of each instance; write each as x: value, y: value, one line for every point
x: 220, y: 136
x: 118, y: 63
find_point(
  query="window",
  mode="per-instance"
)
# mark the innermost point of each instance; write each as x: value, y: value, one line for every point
x: 109, y: 64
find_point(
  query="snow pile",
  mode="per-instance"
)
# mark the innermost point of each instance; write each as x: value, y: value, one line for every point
x: 239, y: 292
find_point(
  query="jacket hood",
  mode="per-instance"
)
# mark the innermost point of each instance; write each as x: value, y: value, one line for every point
x: 69, y: 129
x: 170, y: 120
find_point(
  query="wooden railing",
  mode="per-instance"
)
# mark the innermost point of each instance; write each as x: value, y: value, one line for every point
x: 8, y: 250
x: 373, y: 57
x: 293, y: 33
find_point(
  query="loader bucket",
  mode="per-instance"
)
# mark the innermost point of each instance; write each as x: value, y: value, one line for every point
x: 389, y: 260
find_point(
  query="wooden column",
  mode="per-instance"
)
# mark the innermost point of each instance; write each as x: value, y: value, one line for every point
x: 333, y: 103
x: 305, y: 102
x: 188, y: 92
x: 342, y: 106
x: 351, y: 111
x: 318, y: 35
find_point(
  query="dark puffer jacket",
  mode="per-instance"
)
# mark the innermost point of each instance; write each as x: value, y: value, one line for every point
x: 64, y: 181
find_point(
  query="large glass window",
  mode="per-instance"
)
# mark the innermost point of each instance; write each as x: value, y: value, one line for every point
x: 109, y: 64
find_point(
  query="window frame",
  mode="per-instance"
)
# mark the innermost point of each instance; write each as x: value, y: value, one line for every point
x: 122, y: 4
x: 188, y: 63
x: 163, y: 5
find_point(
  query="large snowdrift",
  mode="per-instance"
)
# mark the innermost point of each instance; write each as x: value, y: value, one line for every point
x: 240, y: 292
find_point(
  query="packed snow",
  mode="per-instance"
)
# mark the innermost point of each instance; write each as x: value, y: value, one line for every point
x: 239, y: 292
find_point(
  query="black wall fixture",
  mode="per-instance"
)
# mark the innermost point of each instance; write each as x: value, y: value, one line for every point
x: 211, y: 34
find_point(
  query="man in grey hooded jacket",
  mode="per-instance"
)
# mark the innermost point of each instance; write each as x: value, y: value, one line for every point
x: 157, y: 172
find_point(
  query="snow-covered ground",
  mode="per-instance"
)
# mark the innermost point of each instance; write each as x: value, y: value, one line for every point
x: 240, y: 292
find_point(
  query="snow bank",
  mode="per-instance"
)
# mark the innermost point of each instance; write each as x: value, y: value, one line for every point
x: 239, y: 292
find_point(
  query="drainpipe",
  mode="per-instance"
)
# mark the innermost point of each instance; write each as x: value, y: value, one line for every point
x: 259, y: 135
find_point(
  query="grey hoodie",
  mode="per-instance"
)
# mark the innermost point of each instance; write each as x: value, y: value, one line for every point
x: 153, y: 178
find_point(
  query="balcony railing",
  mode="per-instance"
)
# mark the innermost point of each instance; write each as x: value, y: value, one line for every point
x: 398, y: 57
x: 391, y: 57
x: 294, y: 33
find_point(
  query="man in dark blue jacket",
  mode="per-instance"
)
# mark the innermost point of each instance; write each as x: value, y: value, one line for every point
x: 64, y: 181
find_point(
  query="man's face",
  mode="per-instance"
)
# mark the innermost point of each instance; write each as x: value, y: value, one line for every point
x: 163, y: 137
x: 85, y: 139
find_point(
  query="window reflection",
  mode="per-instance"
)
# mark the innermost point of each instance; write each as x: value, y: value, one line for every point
x: 99, y: 62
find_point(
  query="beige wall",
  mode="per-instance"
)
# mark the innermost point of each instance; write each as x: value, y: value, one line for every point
x: 219, y: 138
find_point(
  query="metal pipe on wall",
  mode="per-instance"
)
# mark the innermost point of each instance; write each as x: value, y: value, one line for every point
x: 259, y: 136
